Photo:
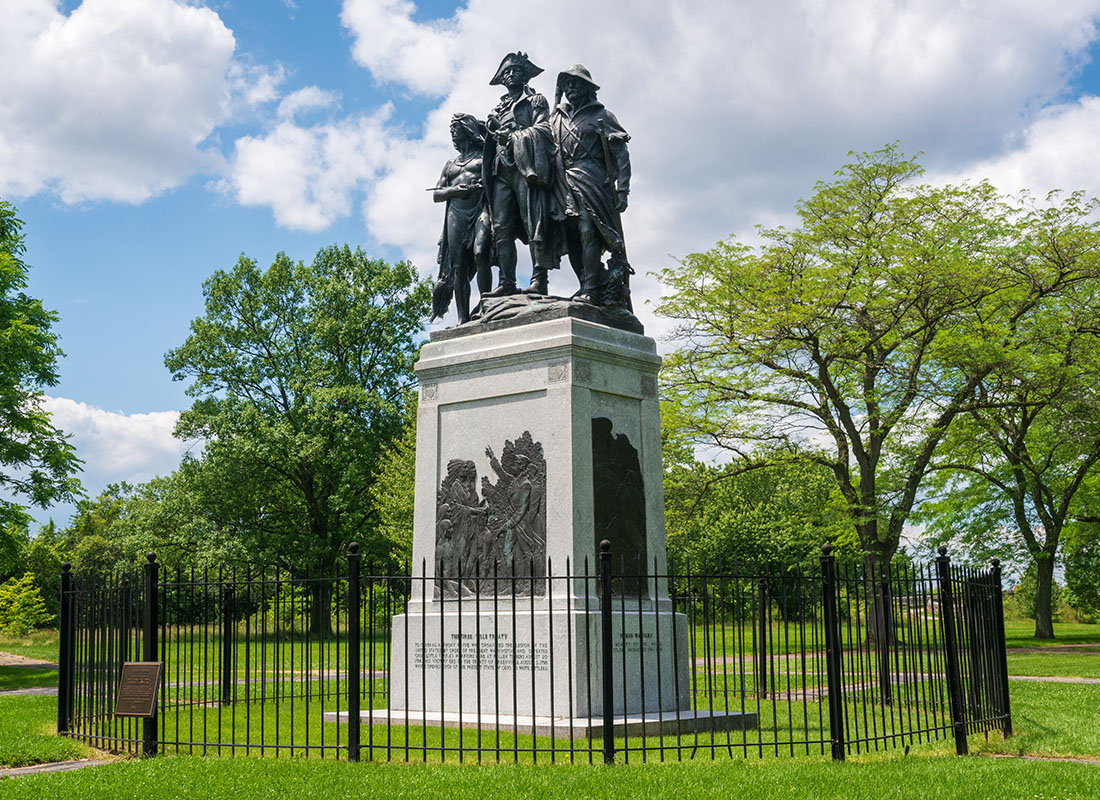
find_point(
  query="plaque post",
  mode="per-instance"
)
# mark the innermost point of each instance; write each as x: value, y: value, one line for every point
x: 149, y: 648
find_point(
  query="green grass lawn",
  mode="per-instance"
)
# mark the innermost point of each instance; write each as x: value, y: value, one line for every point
x: 1081, y: 665
x: 912, y: 778
x: 39, y: 645
x: 27, y: 733
x: 26, y: 678
x: 1050, y: 719
x: 1021, y: 633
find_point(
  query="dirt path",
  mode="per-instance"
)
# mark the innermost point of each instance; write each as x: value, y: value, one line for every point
x: 12, y: 660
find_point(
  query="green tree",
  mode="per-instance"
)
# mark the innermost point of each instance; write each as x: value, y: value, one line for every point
x: 37, y: 463
x: 392, y: 493
x: 21, y: 606
x: 299, y: 374
x: 1083, y: 568
x: 1012, y: 470
x: 856, y: 339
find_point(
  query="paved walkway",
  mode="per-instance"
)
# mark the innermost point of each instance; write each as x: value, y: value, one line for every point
x: 1074, y: 759
x: 1053, y: 678
x: 57, y: 766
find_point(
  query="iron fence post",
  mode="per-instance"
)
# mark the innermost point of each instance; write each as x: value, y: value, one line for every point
x: 227, y: 644
x: 64, y: 656
x: 150, y: 621
x: 885, y: 631
x: 832, y: 652
x: 763, y: 624
x: 605, y: 641
x: 954, y: 682
x: 353, y: 651
x: 1001, y: 646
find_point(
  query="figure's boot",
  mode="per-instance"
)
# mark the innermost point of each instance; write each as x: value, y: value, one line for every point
x: 540, y: 282
x: 590, y: 284
x: 507, y: 280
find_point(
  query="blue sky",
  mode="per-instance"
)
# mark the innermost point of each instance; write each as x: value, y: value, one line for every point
x: 147, y: 143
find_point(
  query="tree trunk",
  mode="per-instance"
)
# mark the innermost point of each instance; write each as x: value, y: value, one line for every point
x: 880, y: 618
x: 1044, y: 595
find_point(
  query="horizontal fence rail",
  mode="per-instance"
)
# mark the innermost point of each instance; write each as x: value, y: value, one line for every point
x: 530, y: 663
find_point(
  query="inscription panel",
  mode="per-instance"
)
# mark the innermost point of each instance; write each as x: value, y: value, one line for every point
x: 495, y: 651
x: 137, y: 689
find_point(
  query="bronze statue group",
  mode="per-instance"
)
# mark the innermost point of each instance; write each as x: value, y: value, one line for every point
x: 555, y: 179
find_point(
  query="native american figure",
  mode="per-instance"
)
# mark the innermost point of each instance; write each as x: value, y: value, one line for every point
x: 465, y: 247
x: 460, y: 519
x: 517, y: 513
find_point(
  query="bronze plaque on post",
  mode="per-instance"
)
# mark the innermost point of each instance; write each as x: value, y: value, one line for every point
x: 137, y: 689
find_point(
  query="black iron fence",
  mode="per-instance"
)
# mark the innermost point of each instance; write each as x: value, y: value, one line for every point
x: 579, y: 663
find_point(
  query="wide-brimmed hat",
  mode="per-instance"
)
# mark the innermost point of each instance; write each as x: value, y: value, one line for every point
x: 515, y: 60
x: 581, y: 72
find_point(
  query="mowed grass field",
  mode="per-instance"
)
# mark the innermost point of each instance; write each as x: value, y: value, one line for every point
x: 1052, y: 720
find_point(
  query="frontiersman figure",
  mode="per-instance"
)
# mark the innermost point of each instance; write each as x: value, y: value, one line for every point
x: 591, y: 189
x: 465, y: 245
x: 518, y: 172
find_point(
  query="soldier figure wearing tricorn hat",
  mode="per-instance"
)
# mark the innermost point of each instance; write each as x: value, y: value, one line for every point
x: 518, y: 169
x: 591, y: 187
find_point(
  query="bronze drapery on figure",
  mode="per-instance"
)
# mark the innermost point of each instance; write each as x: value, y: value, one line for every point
x: 518, y: 169
x: 592, y: 167
x: 465, y: 246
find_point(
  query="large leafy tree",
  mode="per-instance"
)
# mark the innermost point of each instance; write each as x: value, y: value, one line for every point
x: 37, y: 462
x: 299, y: 373
x: 857, y: 339
x: 1015, y: 468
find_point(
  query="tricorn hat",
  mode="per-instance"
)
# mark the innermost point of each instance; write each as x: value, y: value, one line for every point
x: 581, y: 72
x: 515, y: 60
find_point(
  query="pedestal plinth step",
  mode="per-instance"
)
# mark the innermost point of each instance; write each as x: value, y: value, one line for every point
x: 654, y: 723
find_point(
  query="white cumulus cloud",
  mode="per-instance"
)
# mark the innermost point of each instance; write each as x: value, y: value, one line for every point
x: 1059, y: 150
x: 116, y: 446
x: 735, y: 108
x: 309, y: 175
x: 115, y: 99
x: 420, y: 55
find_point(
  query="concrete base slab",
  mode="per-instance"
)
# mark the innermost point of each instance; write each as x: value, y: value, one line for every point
x: 666, y: 723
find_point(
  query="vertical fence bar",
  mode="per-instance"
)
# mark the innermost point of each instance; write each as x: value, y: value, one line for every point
x: 763, y: 625
x: 149, y: 647
x: 947, y: 619
x: 227, y: 644
x: 605, y: 640
x: 886, y: 631
x: 353, y: 651
x: 1001, y: 654
x: 65, y: 654
x: 832, y: 652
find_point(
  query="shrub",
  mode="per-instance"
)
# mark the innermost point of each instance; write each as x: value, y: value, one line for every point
x: 21, y: 606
